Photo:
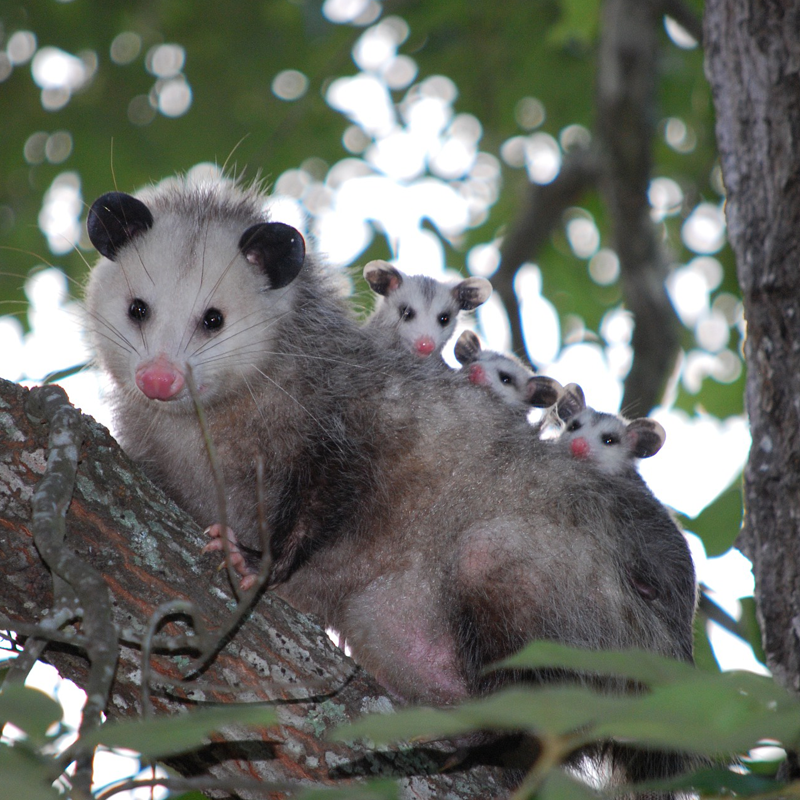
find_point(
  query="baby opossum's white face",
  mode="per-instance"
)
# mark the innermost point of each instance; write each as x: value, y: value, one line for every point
x: 181, y: 297
x: 419, y: 310
x: 502, y: 375
x: 609, y: 442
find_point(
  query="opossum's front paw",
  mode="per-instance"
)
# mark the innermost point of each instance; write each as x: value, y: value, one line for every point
x: 237, y: 560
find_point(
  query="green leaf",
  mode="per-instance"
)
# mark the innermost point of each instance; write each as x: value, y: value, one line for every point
x: 704, y: 658
x: 637, y: 665
x: 561, y: 786
x: 31, y: 710
x: 24, y: 775
x: 722, y: 781
x: 542, y: 711
x: 718, y: 524
x: 749, y: 622
x: 681, y: 708
x: 711, y: 715
x: 167, y: 736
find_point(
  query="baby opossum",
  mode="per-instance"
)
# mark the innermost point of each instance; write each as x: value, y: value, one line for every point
x: 609, y: 441
x: 419, y: 518
x: 610, y: 444
x: 420, y: 311
x: 507, y: 377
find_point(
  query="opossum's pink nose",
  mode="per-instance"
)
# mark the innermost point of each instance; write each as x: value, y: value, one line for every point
x: 477, y: 375
x: 579, y: 447
x: 424, y: 346
x: 159, y: 380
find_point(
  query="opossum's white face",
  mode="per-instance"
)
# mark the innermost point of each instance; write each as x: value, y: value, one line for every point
x: 420, y: 310
x: 423, y: 313
x: 609, y: 442
x: 180, y: 297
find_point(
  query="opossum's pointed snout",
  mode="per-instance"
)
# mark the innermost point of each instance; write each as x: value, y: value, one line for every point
x: 579, y: 447
x: 424, y: 346
x: 159, y: 380
x: 477, y: 375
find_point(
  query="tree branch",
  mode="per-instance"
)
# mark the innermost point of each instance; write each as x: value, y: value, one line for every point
x: 148, y: 554
x: 626, y: 91
x: 540, y: 213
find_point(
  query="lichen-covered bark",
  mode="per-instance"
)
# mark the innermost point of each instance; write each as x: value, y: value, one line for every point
x: 148, y: 553
x: 753, y: 64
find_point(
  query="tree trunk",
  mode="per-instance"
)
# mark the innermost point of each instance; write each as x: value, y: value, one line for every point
x: 148, y: 553
x: 753, y: 59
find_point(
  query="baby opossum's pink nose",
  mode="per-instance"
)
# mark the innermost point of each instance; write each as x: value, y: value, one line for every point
x: 159, y: 380
x: 579, y: 447
x: 477, y: 375
x: 425, y: 346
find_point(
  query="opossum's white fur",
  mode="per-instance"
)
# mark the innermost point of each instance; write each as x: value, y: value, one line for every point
x: 418, y: 311
x: 422, y: 520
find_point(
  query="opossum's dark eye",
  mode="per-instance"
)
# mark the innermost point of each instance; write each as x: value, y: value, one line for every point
x: 407, y: 313
x: 444, y: 319
x: 213, y: 319
x: 138, y: 310
x: 610, y: 439
x: 506, y: 378
x: 575, y: 425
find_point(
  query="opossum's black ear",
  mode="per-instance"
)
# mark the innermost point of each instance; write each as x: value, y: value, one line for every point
x: 382, y: 277
x: 114, y: 219
x: 277, y: 249
x: 543, y: 392
x: 471, y: 293
x: 468, y: 345
x: 570, y: 402
x: 646, y: 436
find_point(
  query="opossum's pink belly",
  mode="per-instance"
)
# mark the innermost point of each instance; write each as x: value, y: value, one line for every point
x: 396, y: 634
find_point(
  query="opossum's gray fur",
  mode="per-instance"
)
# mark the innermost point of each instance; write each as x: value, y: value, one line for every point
x: 421, y: 519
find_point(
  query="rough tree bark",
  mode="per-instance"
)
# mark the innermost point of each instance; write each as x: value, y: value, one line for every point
x: 753, y: 65
x: 148, y: 553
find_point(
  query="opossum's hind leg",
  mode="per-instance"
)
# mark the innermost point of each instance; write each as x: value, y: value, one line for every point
x: 513, y: 588
x: 237, y: 558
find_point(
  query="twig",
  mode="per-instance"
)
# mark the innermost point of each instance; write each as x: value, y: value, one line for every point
x: 539, y: 215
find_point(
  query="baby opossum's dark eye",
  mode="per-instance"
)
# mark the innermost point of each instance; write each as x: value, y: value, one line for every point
x: 138, y: 310
x: 506, y: 378
x: 444, y: 319
x: 213, y: 319
x: 574, y: 426
x: 610, y: 439
x: 407, y: 313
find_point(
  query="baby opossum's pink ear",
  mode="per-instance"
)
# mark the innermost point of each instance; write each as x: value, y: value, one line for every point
x: 646, y: 436
x: 382, y: 277
x: 278, y: 250
x: 570, y: 402
x: 114, y: 219
x: 543, y: 392
x: 468, y: 345
x: 471, y: 293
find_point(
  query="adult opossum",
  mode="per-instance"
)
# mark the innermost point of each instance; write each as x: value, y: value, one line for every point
x: 419, y: 518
